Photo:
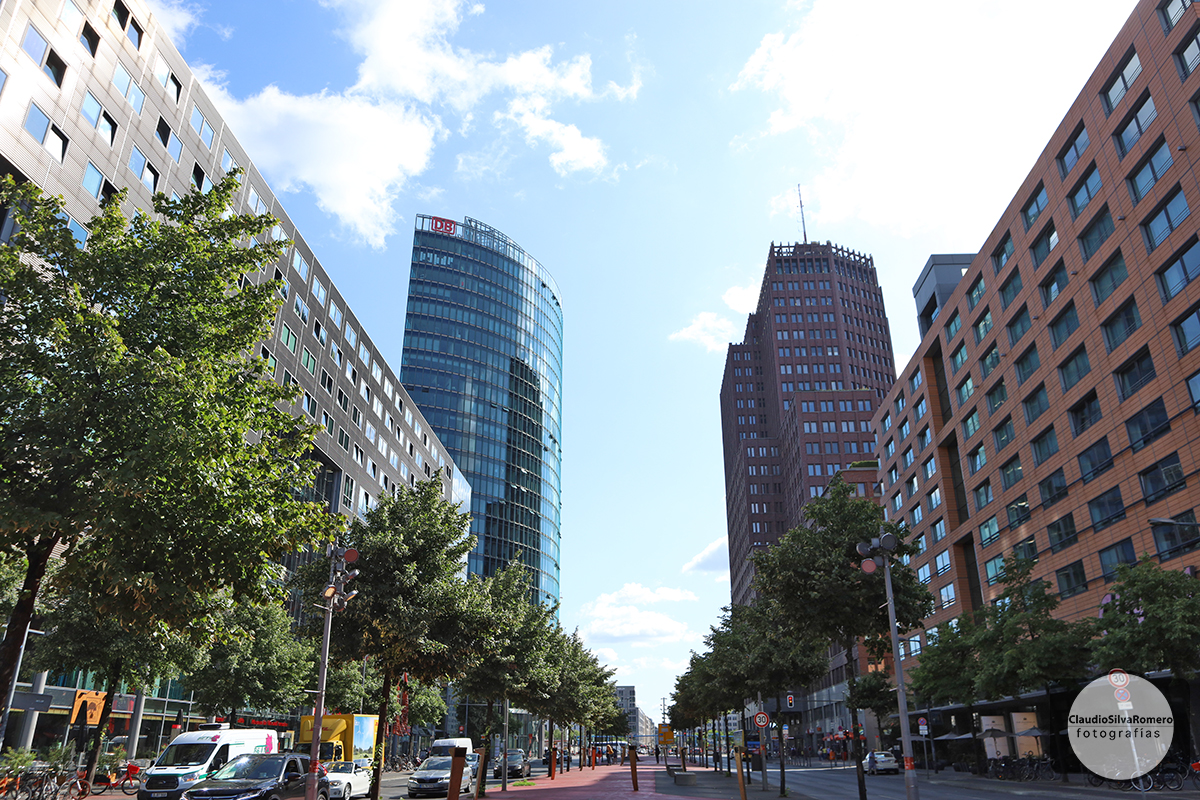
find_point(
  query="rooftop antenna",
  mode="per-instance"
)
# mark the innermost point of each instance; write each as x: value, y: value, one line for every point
x: 803, y: 227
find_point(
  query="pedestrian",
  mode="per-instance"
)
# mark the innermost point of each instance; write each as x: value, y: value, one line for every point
x: 656, y: 753
x: 608, y: 755
x: 871, y: 763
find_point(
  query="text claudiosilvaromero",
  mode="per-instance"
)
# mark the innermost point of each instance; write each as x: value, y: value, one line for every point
x: 1118, y: 719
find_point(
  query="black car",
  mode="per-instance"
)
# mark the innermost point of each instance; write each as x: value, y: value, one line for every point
x: 518, y: 765
x: 279, y: 776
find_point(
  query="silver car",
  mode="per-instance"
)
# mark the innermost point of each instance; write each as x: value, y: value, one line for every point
x: 433, y: 777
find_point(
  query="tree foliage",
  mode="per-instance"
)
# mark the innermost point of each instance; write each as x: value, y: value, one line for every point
x: 1150, y: 622
x: 137, y: 439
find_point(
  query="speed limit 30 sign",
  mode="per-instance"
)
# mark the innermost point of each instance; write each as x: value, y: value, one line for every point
x: 761, y: 719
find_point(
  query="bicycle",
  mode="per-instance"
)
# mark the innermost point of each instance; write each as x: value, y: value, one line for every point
x: 128, y: 779
x: 74, y: 788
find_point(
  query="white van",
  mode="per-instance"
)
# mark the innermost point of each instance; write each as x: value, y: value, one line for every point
x: 444, y: 747
x: 193, y: 755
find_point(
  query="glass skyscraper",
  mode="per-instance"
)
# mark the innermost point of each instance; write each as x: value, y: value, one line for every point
x: 483, y: 361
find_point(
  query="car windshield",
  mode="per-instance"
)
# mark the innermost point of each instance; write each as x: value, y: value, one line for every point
x: 248, y: 768
x: 340, y: 766
x: 439, y: 762
x: 186, y: 755
x: 516, y: 757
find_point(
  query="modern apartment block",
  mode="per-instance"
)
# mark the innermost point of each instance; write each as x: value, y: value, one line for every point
x: 483, y: 350
x: 1051, y: 404
x: 95, y: 97
x: 799, y: 391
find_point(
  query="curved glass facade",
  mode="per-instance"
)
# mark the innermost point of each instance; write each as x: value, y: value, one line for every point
x: 483, y: 360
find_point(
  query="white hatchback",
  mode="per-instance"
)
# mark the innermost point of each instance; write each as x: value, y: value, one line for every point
x: 347, y: 780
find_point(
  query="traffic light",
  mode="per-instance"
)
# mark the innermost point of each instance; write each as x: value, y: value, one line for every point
x: 335, y: 591
x: 791, y: 701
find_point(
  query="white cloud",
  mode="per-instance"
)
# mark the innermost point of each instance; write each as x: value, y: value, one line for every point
x: 891, y: 149
x: 708, y: 329
x: 743, y: 299
x: 713, y: 558
x: 357, y: 149
x: 179, y: 18
x: 616, y: 617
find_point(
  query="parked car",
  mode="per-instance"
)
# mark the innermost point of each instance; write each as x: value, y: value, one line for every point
x: 473, y: 763
x: 433, y: 777
x: 348, y: 779
x: 518, y: 765
x: 254, y: 777
x: 884, y: 762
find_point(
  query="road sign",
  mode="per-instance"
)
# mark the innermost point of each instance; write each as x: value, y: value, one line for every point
x: 923, y: 726
x: 666, y: 736
x: 791, y: 701
x: 761, y: 719
x: 28, y: 701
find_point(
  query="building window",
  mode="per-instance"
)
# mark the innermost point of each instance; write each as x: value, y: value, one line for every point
x: 1096, y: 234
x: 997, y: 397
x: 1027, y: 364
x: 1054, y: 284
x: 953, y: 326
x: 1036, y: 403
x: 1019, y: 325
x: 1002, y: 253
x: 1018, y: 511
x: 1129, y: 135
x: 977, y: 459
x: 942, y: 562
x: 1159, y: 226
x: 1003, y: 434
x: 1026, y: 549
x: 923, y: 573
x: 1134, y: 373
x: 1108, y: 278
x: 1175, y: 540
x: 1043, y: 245
x: 1095, y: 461
x: 1010, y: 473
x: 1053, y: 487
x: 1071, y: 580
x: 965, y: 390
x: 983, y: 494
x: 994, y: 568
x: 983, y: 326
x: 1010, y: 288
x: 1088, y: 188
x: 1064, y: 325
x: 1107, y: 509
x: 143, y: 169
x: 201, y: 126
x: 1115, y: 91
x: 49, y: 136
x: 1069, y: 157
x: 1062, y: 533
x: 128, y: 88
x: 169, y: 140
x: 1034, y: 208
x: 287, y: 337
x: 971, y: 424
x: 1111, y: 557
x: 43, y: 55
x: 958, y: 358
x: 990, y: 360
x: 920, y: 408
x: 1044, y: 446
x: 1074, y: 368
x: 1171, y: 11
x: 989, y: 532
x: 947, y: 595
x: 929, y: 468
x: 1188, y: 57
x: 1085, y: 413
x: 95, y: 114
x: 1150, y: 172
x: 916, y: 515
x: 975, y: 293
x: 939, y: 530
x: 1193, y: 384
x: 1120, y: 325
x: 1162, y: 478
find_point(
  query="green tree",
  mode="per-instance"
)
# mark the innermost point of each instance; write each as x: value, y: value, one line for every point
x: 137, y: 440
x: 874, y: 692
x: 78, y: 638
x: 416, y: 612
x: 815, y: 590
x: 949, y: 670
x: 260, y: 665
x: 1150, y: 622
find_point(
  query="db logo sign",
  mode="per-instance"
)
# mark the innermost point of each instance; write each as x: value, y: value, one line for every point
x: 441, y: 225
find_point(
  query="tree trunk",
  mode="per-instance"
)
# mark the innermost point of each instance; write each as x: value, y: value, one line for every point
x: 113, y: 683
x: 22, y: 613
x: 385, y: 695
x: 487, y: 749
x: 782, y: 745
x: 854, y: 752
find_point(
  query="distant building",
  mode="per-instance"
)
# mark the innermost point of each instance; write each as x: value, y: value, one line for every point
x: 799, y: 391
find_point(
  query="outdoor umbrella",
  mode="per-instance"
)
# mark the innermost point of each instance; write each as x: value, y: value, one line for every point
x: 1034, y: 731
x: 951, y: 736
x: 995, y: 733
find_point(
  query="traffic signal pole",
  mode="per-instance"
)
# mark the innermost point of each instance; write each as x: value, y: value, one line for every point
x: 910, y: 773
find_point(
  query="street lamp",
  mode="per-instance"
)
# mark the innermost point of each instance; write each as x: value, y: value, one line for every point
x: 335, y: 596
x: 877, y: 554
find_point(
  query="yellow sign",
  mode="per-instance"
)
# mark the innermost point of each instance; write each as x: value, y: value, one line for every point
x: 95, y: 703
x: 666, y: 736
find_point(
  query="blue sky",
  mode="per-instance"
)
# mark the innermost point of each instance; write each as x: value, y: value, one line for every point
x: 647, y: 154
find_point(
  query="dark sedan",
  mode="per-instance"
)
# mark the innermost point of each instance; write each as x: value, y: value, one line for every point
x: 518, y: 765
x: 269, y: 777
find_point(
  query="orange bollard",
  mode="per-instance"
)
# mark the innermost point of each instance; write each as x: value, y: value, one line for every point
x: 633, y: 759
x: 553, y: 758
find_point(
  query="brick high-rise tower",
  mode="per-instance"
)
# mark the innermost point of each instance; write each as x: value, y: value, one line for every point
x: 799, y: 391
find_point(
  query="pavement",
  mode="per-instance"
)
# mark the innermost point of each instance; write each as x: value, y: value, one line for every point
x: 811, y: 783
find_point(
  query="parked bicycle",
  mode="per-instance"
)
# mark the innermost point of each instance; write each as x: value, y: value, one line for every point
x: 128, y: 779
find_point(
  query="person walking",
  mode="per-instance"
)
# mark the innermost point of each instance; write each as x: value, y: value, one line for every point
x: 657, y: 752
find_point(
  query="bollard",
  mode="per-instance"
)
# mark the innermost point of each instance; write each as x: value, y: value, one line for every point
x: 633, y: 767
x: 458, y: 761
x: 553, y: 759
x: 741, y: 785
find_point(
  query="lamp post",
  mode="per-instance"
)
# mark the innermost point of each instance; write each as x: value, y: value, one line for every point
x: 335, y: 597
x: 876, y: 554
